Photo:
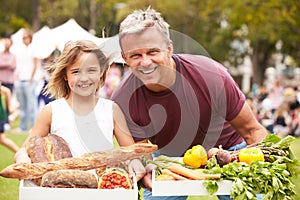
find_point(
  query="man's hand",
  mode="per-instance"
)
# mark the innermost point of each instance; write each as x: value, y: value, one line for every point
x: 136, y: 167
x: 147, y: 180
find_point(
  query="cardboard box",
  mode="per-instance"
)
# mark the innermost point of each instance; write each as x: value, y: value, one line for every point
x: 29, y: 191
x: 186, y: 188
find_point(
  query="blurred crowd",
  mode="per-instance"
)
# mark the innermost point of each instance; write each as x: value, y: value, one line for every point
x: 277, y: 107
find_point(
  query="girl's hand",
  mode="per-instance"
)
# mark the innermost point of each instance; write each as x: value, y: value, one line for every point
x: 135, y: 167
x: 21, y: 156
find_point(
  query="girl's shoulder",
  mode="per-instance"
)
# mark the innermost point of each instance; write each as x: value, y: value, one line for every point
x: 105, y: 104
x: 59, y: 104
x: 58, y: 101
x: 105, y: 101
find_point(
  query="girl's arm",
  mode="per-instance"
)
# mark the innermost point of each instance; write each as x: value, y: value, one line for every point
x: 124, y: 138
x: 121, y: 130
x: 41, y: 128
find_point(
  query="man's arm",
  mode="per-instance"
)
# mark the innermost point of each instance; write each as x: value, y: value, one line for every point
x: 247, y: 125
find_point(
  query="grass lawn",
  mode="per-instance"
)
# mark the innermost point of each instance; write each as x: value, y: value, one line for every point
x: 9, y: 187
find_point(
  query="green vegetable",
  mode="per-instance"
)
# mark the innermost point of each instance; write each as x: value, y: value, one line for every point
x: 211, y: 186
x: 275, y: 177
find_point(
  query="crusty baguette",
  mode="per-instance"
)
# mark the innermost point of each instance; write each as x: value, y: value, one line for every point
x: 85, y: 162
x: 69, y: 178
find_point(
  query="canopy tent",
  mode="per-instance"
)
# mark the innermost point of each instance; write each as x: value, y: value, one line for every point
x: 46, y: 40
x: 71, y: 30
x: 43, y: 43
x: 111, y: 48
x: 17, y: 40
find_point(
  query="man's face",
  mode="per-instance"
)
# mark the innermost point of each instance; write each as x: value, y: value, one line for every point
x: 149, y: 56
x: 8, y: 43
x: 26, y: 39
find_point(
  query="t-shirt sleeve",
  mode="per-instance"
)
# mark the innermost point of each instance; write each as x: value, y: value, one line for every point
x: 235, y: 98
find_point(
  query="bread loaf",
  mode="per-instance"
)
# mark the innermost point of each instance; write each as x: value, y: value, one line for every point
x: 87, y: 161
x: 69, y: 179
x: 47, y: 149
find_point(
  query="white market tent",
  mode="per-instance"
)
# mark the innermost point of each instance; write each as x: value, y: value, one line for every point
x: 43, y: 43
x: 111, y: 48
x: 71, y: 30
x: 46, y: 40
x: 17, y: 40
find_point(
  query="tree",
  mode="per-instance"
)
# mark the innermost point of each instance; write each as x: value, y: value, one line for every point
x: 56, y: 12
x: 10, y: 21
x: 267, y: 23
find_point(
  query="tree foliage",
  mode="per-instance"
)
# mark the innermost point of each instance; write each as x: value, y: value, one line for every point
x: 267, y: 22
x: 216, y: 25
x: 12, y: 17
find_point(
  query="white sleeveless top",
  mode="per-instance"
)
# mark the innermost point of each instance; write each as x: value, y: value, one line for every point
x: 89, y: 133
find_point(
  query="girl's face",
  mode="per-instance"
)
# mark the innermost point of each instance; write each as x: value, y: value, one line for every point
x: 84, y: 75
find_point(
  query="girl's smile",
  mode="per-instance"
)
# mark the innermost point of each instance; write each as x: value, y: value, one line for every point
x: 84, y: 75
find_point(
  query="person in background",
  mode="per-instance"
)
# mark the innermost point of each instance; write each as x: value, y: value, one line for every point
x: 7, y: 65
x: 7, y: 68
x: 5, y: 99
x: 295, y: 123
x: 282, y: 120
x: 276, y: 95
x: 178, y: 101
x: 26, y: 83
x: 44, y: 99
x: 87, y: 123
x: 113, y: 78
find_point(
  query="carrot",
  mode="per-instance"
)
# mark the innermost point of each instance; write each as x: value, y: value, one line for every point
x: 191, y: 174
x: 174, y: 175
x: 207, y: 176
x: 164, y: 162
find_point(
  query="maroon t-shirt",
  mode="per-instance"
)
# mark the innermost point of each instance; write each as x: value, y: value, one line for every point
x: 195, y: 110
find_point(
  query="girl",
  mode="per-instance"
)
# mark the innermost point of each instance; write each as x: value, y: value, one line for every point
x: 87, y: 123
x: 5, y: 100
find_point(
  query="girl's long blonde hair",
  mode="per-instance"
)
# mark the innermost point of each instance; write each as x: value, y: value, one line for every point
x: 58, y: 87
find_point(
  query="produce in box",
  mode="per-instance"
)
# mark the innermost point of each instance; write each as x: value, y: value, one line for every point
x: 273, y: 176
x: 195, y: 157
x: 269, y: 168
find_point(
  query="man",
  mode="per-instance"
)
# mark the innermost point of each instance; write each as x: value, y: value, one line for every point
x: 7, y: 65
x: 178, y: 101
x: 7, y: 68
x: 27, y: 66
